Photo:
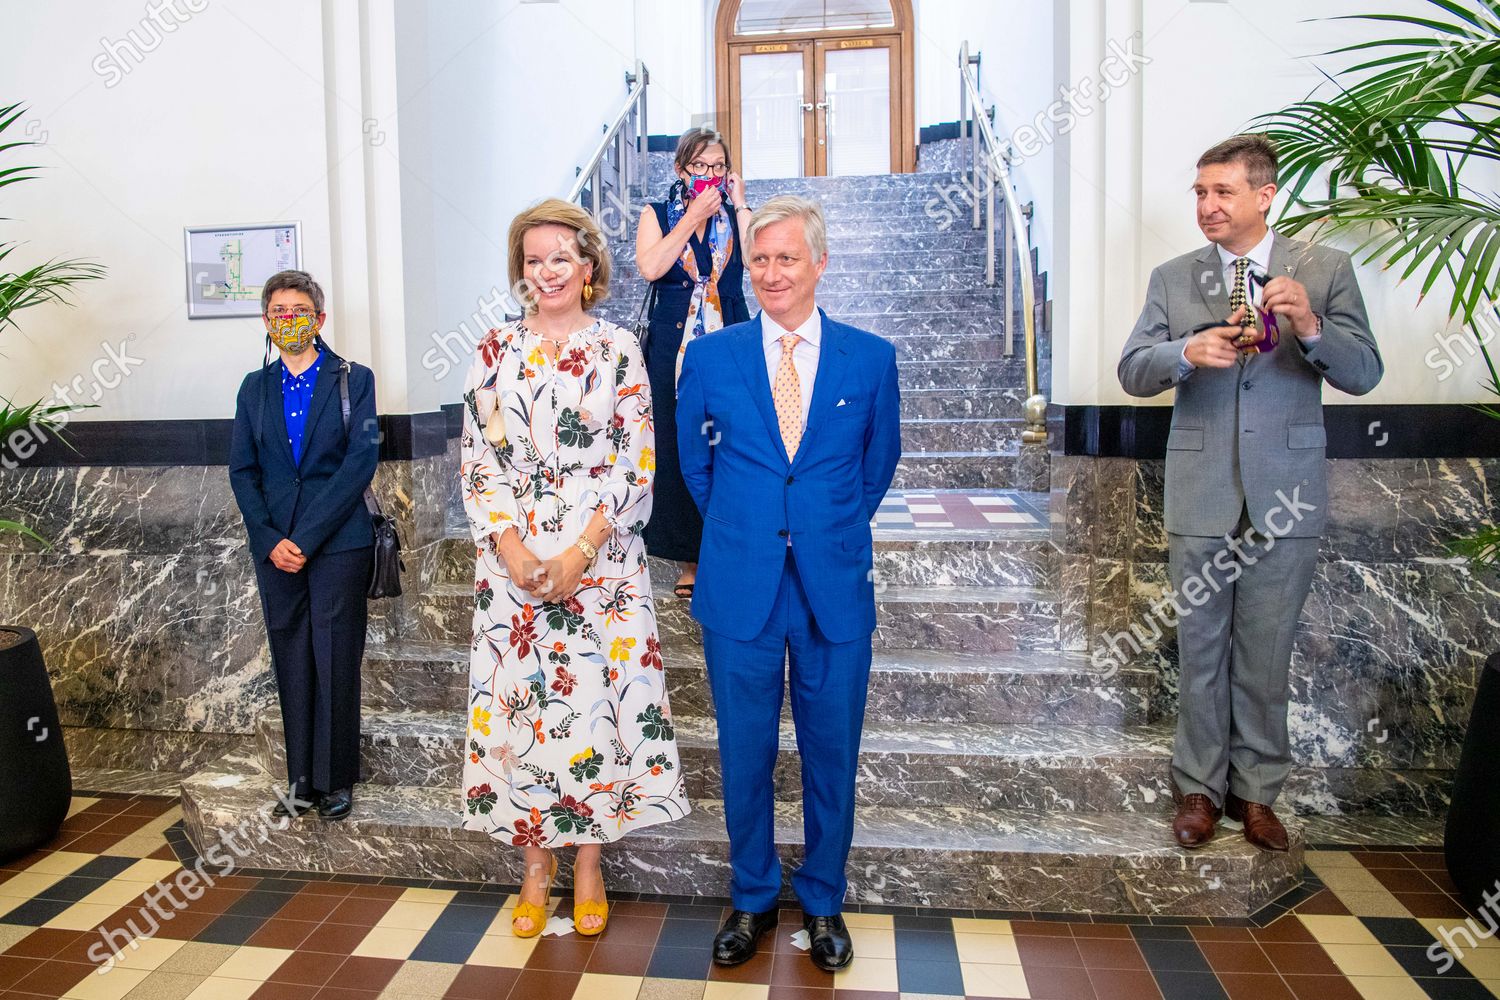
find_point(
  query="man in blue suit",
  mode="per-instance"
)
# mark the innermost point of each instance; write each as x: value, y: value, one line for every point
x: 789, y: 429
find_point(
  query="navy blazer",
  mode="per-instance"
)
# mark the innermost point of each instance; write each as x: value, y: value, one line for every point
x: 319, y: 504
x: 753, y: 499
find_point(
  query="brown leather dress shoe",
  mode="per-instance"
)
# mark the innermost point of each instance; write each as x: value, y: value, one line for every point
x: 1262, y: 828
x: 1193, y: 825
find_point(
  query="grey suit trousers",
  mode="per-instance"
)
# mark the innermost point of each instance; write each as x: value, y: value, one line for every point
x: 1235, y: 651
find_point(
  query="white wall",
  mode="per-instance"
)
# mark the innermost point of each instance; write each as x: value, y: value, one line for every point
x: 1124, y: 202
x: 186, y: 137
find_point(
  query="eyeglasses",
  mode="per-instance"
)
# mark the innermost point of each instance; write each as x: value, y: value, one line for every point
x: 702, y: 168
x: 281, y: 312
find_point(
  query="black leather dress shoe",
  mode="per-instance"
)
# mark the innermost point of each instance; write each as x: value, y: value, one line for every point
x: 735, y: 942
x: 831, y: 948
x: 336, y: 805
x: 300, y: 803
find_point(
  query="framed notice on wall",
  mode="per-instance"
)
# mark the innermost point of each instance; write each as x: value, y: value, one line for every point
x: 228, y: 265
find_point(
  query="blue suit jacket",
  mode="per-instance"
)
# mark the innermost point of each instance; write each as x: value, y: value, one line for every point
x: 317, y: 504
x: 752, y: 498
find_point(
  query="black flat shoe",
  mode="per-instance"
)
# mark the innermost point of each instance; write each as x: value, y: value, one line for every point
x: 299, y: 804
x: 336, y: 805
x: 735, y: 942
x: 831, y: 948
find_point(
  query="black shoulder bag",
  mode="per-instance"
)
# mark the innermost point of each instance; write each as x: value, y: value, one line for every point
x: 385, y: 574
x: 642, y: 328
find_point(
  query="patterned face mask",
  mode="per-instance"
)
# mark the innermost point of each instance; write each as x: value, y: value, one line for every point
x: 700, y: 183
x: 293, y: 333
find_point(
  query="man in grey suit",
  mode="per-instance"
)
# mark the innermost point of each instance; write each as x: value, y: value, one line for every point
x: 1246, y: 494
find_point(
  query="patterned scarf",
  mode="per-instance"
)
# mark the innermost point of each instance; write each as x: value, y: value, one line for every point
x: 705, y: 314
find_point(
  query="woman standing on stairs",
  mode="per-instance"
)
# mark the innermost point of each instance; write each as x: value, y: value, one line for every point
x: 688, y: 247
x: 570, y: 734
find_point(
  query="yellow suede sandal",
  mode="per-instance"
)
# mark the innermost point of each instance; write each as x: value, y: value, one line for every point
x: 591, y: 908
x: 530, y: 911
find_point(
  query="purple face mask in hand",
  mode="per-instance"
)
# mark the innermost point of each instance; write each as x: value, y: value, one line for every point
x: 1265, y: 334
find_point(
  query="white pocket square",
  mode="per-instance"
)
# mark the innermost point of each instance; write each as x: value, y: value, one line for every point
x: 843, y: 402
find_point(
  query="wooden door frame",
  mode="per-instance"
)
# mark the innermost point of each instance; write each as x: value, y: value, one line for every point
x: 809, y: 61
x: 904, y: 131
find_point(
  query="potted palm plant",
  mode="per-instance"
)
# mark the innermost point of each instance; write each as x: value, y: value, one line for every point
x: 35, y: 781
x: 1400, y: 158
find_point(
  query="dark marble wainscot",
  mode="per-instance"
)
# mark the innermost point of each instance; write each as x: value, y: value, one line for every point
x: 146, y: 604
x: 1390, y: 641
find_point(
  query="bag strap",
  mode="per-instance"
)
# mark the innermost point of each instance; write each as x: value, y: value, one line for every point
x: 646, y: 303
x: 371, y: 504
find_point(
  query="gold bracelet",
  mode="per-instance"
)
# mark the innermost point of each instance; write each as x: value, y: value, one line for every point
x: 588, y: 548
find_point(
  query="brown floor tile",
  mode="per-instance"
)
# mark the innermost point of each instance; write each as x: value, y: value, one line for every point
x: 309, y: 906
x: 1429, y: 862
x: 1299, y: 958
x: 1381, y: 859
x: 186, y: 926
x: 633, y: 908
x: 797, y: 970
x: 613, y: 958
x: 335, y: 939
x: 1287, y: 928
x: 27, y: 860
x: 122, y: 824
x: 1321, y: 988
x: 43, y: 942
x: 344, y: 993
x: 1442, y: 880
x: 14, y: 968
x: 544, y: 984
x: 279, y: 933
x: 51, y: 978
x: 562, y: 954
x: 305, y: 969
x: 1122, y: 984
x: 162, y: 853
x: 1051, y: 951
x: 92, y: 843
x: 366, y: 973
x: 1059, y: 983
x: 863, y: 995
x: 641, y: 932
x: 1239, y: 935
x: 1403, y: 879
x: 1041, y: 928
x: 1100, y: 931
x: 1323, y: 903
x: 798, y: 993
x: 1230, y: 956
x: 1109, y: 953
x: 364, y: 912
x: 1247, y: 986
x: 338, y: 890
x: 757, y: 970
x: 477, y: 982
x: 390, y: 892
x: 216, y: 900
x: 285, y: 991
x: 1437, y: 905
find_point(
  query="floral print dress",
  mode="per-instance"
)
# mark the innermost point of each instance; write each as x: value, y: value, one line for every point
x: 570, y: 737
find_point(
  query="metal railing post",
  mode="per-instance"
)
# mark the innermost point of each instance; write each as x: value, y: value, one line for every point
x: 989, y: 220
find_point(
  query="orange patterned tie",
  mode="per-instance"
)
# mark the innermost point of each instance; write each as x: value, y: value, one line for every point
x: 787, y: 392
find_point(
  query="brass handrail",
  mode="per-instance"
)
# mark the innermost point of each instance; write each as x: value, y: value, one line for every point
x: 626, y: 135
x: 980, y: 151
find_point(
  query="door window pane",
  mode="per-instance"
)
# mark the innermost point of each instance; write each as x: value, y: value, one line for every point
x: 858, y: 85
x: 771, y: 115
x: 764, y: 17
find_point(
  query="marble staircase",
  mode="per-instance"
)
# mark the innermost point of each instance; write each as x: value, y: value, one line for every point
x: 999, y: 770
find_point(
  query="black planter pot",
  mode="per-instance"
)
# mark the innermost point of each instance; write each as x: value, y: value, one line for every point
x: 36, y: 785
x: 1471, y: 842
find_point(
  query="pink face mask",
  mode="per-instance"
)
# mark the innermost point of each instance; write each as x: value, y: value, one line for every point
x: 699, y: 183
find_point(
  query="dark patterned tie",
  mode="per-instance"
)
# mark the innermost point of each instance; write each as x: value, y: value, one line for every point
x: 1237, y: 300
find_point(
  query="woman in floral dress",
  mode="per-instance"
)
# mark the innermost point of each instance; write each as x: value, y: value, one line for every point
x: 570, y: 735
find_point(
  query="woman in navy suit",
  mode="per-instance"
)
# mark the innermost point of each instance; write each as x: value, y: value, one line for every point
x: 689, y: 248
x: 299, y: 478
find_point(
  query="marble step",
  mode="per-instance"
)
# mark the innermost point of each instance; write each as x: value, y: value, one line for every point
x: 946, y: 403
x: 953, y: 856
x: 967, y: 618
x: 1021, y: 687
x: 970, y: 375
x: 891, y: 270
x: 919, y: 436
x: 960, y: 470
x: 901, y: 764
x: 836, y: 301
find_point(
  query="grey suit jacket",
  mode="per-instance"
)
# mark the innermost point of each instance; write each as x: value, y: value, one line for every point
x: 1250, y: 435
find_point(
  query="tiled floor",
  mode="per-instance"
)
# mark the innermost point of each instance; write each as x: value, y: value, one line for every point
x: 1368, y: 925
x: 962, y: 509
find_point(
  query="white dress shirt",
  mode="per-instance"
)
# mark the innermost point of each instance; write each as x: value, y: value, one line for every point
x: 1260, y: 256
x: 804, y: 355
